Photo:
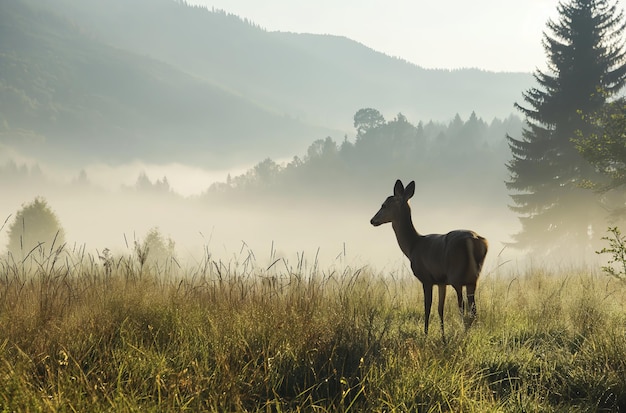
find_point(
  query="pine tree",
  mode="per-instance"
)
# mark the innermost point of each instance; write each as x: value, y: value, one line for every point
x: 585, y: 67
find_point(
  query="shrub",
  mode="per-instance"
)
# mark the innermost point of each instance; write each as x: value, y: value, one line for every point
x: 156, y: 251
x: 617, y: 248
x: 35, y: 225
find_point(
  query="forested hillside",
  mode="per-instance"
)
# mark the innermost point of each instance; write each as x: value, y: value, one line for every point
x: 65, y: 95
x: 319, y: 78
x: 161, y: 81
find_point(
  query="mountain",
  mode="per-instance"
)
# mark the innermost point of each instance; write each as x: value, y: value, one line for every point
x: 64, y: 94
x: 162, y: 80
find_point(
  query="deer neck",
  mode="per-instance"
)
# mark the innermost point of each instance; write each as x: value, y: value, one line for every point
x: 406, y: 234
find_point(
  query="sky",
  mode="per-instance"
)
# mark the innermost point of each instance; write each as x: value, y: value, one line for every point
x: 494, y: 35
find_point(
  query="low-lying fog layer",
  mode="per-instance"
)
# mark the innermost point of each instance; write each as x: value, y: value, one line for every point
x: 325, y: 230
x: 184, y: 180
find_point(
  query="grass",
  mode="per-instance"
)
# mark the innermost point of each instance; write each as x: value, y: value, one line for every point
x: 77, y: 335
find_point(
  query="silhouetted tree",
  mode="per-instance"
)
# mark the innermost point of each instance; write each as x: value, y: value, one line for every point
x: 322, y: 150
x: 266, y: 172
x: 144, y: 184
x: 323, y: 165
x: 585, y: 66
x: 35, y: 224
x: 366, y: 119
x: 474, y: 129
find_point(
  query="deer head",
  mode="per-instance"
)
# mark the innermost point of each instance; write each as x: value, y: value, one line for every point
x: 394, y: 205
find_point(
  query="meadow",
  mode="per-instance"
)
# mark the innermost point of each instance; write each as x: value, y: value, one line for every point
x: 86, y: 333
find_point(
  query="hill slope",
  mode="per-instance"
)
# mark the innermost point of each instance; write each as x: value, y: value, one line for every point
x: 163, y: 81
x: 321, y: 78
x: 65, y: 93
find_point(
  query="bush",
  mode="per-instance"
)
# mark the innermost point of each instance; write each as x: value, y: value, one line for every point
x: 35, y: 225
x: 156, y: 251
x: 617, y: 248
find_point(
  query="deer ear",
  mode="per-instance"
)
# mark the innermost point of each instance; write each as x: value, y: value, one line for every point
x: 409, y: 190
x: 398, y: 188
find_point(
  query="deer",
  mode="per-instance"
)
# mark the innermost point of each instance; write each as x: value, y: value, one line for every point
x: 455, y: 258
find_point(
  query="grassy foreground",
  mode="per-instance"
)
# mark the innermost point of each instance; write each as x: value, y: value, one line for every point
x: 76, y: 335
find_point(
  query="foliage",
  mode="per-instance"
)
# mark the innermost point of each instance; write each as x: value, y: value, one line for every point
x: 35, y: 225
x: 617, y: 250
x: 155, y: 251
x: 586, y: 65
x: 367, y: 119
x: 238, y: 337
x: 605, y: 146
x: 145, y: 185
x: 382, y: 151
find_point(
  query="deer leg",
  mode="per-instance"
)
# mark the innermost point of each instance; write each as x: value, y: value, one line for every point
x: 428, y: 301
x: 471, y: 303
x: 442, y: 301
x: 460, y: 300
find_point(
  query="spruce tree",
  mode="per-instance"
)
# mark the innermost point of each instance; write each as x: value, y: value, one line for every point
x: 586, y: 58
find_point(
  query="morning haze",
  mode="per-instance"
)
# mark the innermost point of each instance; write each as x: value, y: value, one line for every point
x: 278, y: 143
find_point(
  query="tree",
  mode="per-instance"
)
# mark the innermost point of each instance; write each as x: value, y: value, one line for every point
x: 605, y: 149
x: 585, y: 67
x: 322, y: 150
x: 144, y: 184
x: 155, y: 250
x: 367, y: 119
x: 34, y: 224
x: 266, y: 171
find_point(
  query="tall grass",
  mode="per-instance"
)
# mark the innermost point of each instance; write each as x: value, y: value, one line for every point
x: 85, y: 333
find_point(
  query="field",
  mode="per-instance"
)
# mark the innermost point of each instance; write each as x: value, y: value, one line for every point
x: 81, y: 333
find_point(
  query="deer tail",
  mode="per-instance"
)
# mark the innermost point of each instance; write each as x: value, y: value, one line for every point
x: 476, y: 251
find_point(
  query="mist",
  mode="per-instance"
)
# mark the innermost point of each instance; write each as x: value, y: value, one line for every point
x: 103, y: 206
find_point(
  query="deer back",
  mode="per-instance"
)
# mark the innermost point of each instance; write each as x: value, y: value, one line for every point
x: 454, y: 258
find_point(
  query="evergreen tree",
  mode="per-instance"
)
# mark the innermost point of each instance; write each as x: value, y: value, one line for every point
x: 585, y: 67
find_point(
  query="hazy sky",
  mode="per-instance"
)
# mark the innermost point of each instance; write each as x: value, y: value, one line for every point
x: 498, y: 35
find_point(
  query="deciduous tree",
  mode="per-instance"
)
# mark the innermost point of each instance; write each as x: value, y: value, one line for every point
x: 35, y: 224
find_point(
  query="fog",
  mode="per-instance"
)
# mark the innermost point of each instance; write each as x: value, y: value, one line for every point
x: 99, y: 214
x: 185, y: 180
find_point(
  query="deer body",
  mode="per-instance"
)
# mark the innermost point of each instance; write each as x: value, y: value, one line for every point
x: 455, y: 258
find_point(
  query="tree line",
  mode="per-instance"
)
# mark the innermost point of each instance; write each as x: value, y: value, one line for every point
x: 438, y: 155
